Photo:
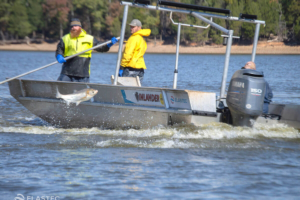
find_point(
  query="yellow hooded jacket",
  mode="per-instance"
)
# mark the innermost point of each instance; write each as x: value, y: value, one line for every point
x: 136, y: 46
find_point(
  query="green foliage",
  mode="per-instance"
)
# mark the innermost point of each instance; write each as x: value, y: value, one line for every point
x: 116, y: 27
x: 56, y: 13
x: 18, y: 23
x: 113, y: 20
x: 269, y: 13
x: 103, y: 18
x: 194, y: 35
x: 4, y: 14
x: 152, y: 22
x: 293, y: 17
x: 215, y: 34
x: 248, y: 29
x: 35, y: 14
x: 92, y: 13
x: 236, y: 7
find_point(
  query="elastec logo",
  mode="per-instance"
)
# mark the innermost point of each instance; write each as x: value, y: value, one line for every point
x: 147, y: 97
x: 177, y: 100
x: 172, y: 100
x: 21, y: 197
x: 256, y: 92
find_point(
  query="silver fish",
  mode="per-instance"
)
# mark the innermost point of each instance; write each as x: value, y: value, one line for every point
x: 77, y: 97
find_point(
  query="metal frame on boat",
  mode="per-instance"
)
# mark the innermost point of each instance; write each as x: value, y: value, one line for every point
x: 132, y: 106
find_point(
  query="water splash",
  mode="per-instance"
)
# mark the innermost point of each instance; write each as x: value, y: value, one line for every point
x: 215, y: 131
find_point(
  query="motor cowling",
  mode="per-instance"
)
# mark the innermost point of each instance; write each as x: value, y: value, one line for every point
x: 245, y: 96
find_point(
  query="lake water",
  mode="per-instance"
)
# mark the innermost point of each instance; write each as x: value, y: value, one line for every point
x: 213, y: 161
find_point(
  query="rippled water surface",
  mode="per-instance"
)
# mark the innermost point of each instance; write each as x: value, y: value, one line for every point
x: 215, y: 161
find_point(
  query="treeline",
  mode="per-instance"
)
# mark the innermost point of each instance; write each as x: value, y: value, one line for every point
x: 49, y: 20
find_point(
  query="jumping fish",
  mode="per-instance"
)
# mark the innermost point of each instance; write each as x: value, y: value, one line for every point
x: 77, y: 97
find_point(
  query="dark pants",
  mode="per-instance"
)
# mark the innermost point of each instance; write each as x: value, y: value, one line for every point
x: 133, y: 72
x: 266, y: 108
x: 68, y: 78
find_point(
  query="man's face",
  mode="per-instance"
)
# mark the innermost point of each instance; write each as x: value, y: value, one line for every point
x: 75, y: 30
x: 134, y: 29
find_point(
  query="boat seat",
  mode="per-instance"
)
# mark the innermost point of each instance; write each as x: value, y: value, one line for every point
x: 127, y: 81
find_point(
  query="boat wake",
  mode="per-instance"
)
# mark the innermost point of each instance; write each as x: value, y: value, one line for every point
x: 215, y: 131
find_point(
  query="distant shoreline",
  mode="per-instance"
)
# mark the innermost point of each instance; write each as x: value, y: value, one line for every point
x: 275, y: 48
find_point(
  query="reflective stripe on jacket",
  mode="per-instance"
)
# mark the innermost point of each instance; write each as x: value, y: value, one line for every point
x: 136, y: 46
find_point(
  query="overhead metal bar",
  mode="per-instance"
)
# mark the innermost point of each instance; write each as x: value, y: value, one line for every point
x: 217, y: 26
x: 194, y: 7
x: 190, y: 25
x: 247, y: 16
x: 237, y: 37
x: 150, y: 7
x: 147, y: 2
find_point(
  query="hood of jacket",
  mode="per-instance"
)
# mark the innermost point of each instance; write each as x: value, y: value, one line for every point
x: 143, y: 32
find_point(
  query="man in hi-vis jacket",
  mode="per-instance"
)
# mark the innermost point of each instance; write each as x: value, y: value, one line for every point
x: 77, y: 69
x: 132, y: 63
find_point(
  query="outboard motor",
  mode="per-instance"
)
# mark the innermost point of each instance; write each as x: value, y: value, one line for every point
x: 245, y: 96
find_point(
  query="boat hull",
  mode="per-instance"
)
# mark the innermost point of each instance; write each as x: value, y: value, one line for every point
x: 113, y: 107
x: 131, y: 107
x: 288, y: 114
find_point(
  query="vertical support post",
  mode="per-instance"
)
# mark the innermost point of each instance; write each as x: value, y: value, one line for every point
x: 22, y: 88
x: 177, y: 55
x: 227, y: 57
x: 121, y: 43
x: 165, y: 99
x: 255, y: 40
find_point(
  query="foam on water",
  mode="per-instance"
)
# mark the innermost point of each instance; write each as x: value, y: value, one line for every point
x: 32, y: 130
x: 159, y: 143
x: 216, y: 131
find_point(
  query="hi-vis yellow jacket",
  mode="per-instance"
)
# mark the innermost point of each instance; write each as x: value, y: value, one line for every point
x: 78, y: 66
x: 76, y: 45
x: 136, y: 46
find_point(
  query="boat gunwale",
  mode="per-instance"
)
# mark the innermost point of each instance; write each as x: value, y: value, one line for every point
x: 122, y: 86
x: 116, y: 106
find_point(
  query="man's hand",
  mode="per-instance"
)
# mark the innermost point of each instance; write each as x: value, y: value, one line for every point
x: 60, y: 58
x: 113, y: 41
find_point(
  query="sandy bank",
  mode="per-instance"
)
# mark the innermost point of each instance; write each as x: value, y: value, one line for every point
x: 262, y: 48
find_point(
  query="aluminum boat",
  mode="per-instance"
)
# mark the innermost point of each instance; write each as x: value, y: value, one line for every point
x: 125, y: 104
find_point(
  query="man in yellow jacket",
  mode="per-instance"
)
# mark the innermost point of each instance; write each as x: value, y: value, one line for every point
x: 132, y: 63
x: 77, y: 69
